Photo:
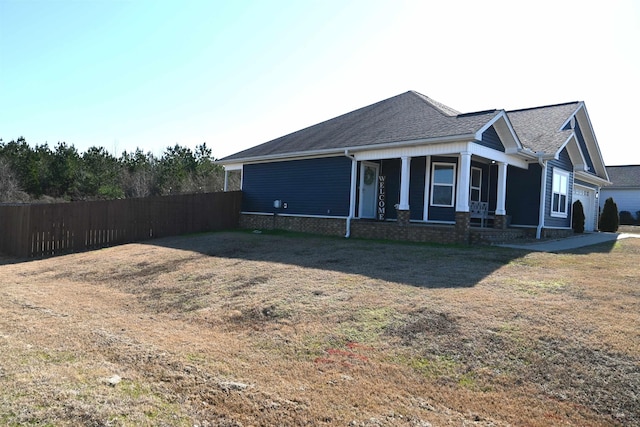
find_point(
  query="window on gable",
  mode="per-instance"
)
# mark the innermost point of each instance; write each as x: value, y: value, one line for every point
x: 560, y: 192
x: 443, y: 184
x: 475, y: 192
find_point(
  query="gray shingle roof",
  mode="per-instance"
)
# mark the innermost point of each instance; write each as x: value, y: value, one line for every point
x: 624, y: 176
x: 538, y: 129
x: 406, y: 117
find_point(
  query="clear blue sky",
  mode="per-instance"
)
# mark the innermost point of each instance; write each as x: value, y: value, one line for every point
x: 125, y: 74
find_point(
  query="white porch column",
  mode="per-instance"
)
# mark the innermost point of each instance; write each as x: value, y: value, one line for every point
x: 405, y: 177
x: 464, y: 174
x: 427, y: 187
x: 226, y: 180
x: 502, y: 189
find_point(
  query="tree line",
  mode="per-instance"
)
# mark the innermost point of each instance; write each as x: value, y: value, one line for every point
x: 39, y: 172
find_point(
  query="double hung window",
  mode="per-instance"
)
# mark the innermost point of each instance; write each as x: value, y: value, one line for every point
x: 560, y: 192
x: 443, y: 184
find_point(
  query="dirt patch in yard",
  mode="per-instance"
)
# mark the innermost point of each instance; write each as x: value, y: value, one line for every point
x: 238, y: 329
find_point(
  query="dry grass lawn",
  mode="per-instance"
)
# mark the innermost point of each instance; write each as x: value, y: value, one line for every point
x: 243, y: 329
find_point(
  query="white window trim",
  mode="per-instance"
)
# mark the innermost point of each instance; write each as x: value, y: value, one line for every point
x: 471, y: 187
x: 560, y: 173
x: 452, y: 185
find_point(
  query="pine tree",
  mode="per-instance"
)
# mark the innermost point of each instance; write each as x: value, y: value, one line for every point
x: 577, y: 222
x: 609, y: 219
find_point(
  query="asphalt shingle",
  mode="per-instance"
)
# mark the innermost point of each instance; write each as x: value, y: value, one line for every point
x: 406, y: 117
x: 539, y: 128
x: 624, y: 176
x: 412, y: 116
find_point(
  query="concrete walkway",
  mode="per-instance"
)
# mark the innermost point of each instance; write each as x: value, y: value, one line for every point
x: 568, y: 243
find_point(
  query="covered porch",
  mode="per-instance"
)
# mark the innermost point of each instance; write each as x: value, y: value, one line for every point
x: 458, y: 189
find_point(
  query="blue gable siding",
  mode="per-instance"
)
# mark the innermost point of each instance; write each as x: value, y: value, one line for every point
x: 416, y: 189
x: 491, y: 139
x: 523, y: 194
x: 583, y: 147
x: 563, y: 163
x: 309, y: 187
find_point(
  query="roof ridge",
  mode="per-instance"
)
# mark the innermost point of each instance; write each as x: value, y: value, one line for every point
x: 478, y: 113
x: 543, y: 106
x: 439, y: 106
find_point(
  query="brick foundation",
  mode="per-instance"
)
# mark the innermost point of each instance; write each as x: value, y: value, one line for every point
x: 365, y: 229
x: 326, y: 226
x: 459, y: 233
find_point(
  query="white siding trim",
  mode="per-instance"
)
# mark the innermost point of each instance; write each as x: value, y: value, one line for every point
x: 418, y: 151
x: 233, y: 166
x: 491, y: 154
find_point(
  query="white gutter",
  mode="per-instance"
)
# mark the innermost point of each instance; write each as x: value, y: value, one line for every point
x: 543, y: 194
x: 352, y: 192
x: 528, y: 153
x: 334, y: 151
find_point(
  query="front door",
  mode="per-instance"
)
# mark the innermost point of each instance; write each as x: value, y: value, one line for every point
x: 368, y: 189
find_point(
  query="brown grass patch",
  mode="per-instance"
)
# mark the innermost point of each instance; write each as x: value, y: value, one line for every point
x: 258, y: 329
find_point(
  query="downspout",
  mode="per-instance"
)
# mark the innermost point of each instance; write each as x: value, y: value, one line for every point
x: 543, y: 195
x: 352, y: 191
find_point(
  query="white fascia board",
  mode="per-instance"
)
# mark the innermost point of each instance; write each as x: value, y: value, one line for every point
x: 286, y: 156
x: 451, y: 148
x: 580, y: 105
x: 233, y: 166
x: 592, y: 141
x: 491, y: 154
x: 591, y: 179
x: 507, y: 123
x: 575, y: 153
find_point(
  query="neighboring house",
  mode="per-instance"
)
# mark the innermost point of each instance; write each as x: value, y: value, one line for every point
x: 624, y: 188
x: 409, y: 167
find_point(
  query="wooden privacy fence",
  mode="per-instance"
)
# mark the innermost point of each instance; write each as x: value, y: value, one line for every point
x: 36, y: 230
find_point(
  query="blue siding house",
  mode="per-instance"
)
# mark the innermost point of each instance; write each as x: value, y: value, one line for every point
x: 409, y: 167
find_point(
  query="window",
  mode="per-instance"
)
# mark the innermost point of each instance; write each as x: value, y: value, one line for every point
x: 442, y: 184
x: 475, y: 192
x: 560, y: 191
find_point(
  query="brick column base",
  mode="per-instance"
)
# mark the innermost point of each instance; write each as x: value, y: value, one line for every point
x: 463, y: 227
x: 403, y: 217
x: 500, y: 222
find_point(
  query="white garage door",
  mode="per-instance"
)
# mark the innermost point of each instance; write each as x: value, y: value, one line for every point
x: 587, y: 197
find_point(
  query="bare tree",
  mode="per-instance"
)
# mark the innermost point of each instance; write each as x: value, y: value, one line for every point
x: 9, y: 188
